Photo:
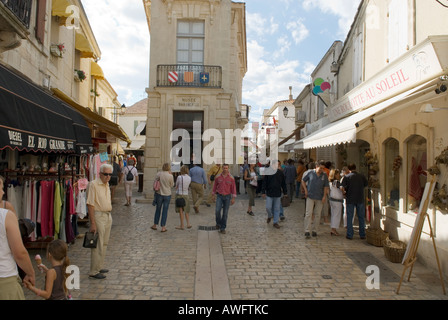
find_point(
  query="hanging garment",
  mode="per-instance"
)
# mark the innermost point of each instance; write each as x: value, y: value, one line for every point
x: 81, y: 205
x: 62, y: 233
x: 57, y: 203
x: 70, y: 236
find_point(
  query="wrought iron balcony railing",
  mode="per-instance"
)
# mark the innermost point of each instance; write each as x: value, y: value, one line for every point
x: 20, y: 8
x: 194, y: 76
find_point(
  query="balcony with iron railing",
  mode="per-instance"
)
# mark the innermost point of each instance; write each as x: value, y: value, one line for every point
x: 193, y: 76
x: 20, y: 8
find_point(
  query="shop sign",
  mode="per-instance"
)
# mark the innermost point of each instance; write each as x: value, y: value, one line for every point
x: 31, y: 142
x: 419, y: 65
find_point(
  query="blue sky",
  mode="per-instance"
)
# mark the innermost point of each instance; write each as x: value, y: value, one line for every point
x: 285, y: 41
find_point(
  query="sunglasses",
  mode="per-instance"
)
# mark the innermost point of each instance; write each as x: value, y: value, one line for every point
x: 106, y: 174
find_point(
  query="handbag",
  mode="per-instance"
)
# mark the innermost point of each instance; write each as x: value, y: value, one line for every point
x: 90, y: 240
x: 180, y: 201
x: 285, y: 202
x: 156, y: 185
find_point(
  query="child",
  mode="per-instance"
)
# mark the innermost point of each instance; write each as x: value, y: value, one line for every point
x: 55, y: 288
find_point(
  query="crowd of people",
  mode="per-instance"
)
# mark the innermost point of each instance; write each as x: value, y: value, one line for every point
x: 326, y: 191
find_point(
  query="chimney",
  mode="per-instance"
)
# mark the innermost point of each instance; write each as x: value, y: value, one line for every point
x: 290, y: 93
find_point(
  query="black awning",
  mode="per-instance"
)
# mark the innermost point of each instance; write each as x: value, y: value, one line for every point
x: 33, y: 120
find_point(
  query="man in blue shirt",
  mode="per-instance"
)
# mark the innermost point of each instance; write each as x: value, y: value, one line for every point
x: 353, y: 186
x: 198, y: 184
x: 316, y: 187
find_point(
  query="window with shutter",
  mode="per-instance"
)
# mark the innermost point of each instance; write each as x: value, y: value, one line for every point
x: 398, y: 28
x: 40, y: 20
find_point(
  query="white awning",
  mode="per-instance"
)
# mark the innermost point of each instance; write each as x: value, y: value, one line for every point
x: 344, y: 130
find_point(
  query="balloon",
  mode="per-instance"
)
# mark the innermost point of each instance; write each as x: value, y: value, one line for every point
x: 317, y: 90
x: 325, y: 86
x: 318, y: 81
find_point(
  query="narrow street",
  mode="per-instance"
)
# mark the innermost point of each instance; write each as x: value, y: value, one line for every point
x: 252, y: 261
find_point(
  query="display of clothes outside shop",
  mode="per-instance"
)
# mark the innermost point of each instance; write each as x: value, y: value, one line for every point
x: 90, y: 166
x: 50, y: 204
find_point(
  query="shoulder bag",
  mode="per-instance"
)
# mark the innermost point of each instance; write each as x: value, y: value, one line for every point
x: 180, y: 201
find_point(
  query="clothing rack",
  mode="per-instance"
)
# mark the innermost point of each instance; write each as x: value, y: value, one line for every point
x: 60, y: 175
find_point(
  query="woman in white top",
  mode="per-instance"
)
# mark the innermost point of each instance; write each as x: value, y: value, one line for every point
x: 182, y: 185
x: 12, y: 252
x: 336, y: 200
x: 128, y: 184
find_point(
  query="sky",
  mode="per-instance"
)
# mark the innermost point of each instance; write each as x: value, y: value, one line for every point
x: 286, y: 39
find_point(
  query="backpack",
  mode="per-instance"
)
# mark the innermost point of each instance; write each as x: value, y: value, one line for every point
x: 129, y: 176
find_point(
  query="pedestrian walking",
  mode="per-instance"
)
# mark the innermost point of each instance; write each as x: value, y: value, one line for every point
x: 300, y: 170
x: 344, y: 173
x: 273, y: 185
x: 99, y: 207
x: 326, y: 206
x: 12, y: 253
x: 290, y: 173
x: 215, y: 170
x: 336, y: 200
x: 198, y: 185
x: 163, y: 200
x: 224, y: 192
x: 250, y: 177
x: 182, y: 186
x: 316, y: 186
x: 129, y: 175
x: 353, y: 186
x: 55, y: 278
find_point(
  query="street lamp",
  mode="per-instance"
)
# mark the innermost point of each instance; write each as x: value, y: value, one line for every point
x: 285, y: 113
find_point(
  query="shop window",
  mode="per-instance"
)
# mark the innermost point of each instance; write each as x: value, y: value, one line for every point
x: 392, y: 179
x: 416, y: 167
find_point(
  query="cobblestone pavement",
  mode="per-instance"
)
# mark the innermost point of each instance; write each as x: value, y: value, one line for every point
x: 252, y: 261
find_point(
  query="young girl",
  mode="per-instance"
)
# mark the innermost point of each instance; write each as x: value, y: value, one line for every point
x: 55, y: 288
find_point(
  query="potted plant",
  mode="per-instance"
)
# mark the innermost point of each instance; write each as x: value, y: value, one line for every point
x: 93, y: 93
x: 79, y: 75
x: 57, y: 50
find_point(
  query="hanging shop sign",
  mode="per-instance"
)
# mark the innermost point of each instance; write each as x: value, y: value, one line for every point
x: 417, y: 66
x: 22, y: 140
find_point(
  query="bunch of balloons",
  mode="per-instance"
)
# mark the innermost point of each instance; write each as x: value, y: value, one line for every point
x: 320, y: 85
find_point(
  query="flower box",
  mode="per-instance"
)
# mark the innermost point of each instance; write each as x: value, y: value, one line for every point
x: 79, y: 75
x: 57, y: 50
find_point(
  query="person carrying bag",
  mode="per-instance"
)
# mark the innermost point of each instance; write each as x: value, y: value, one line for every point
x: 182, y: 199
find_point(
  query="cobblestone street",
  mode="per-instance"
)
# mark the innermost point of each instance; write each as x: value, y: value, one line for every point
x: 252, y: 261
